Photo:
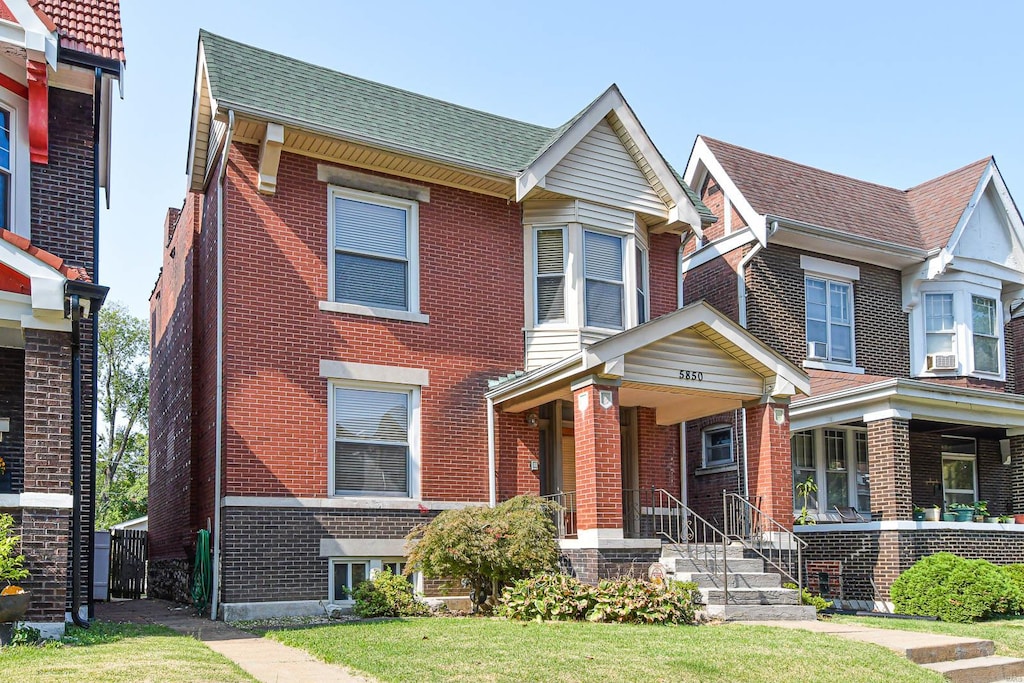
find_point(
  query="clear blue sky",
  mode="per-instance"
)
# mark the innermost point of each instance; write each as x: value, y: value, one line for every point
x: 891, y: 92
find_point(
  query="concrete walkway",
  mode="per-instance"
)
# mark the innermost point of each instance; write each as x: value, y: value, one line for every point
x: 962, y: 660
x: 265, y: 660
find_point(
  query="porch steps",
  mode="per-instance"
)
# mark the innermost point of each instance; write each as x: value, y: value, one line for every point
x: 753, y: 593
x: 980, y: 669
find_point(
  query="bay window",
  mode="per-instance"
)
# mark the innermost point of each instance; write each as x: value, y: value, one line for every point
x: 985, y: 335
x: 604, y: 283
x: 957, y: 330
x: 549, y: 260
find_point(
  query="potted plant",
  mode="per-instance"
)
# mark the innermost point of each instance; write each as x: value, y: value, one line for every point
x: 918, y: 514
x: 949, y: 515
x: 932, y: 514
x: 1019, y: 518
x: 964, y: 512
x: 1005, y: 519
x: 13, y: 599
x: 806, y: 489
x: 980, y: 510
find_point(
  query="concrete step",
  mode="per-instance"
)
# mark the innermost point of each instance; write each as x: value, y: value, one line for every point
x: 762, y: 612
x: 945, y: 652
x: 700, y: 550
x: 737, y: 565
x: 979, y: 669
x: 751, y: 596
x: 736, y: 579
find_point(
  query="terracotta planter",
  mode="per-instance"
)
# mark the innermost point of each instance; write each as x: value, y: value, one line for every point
x: 13, y: 607
x: 1019, y: 519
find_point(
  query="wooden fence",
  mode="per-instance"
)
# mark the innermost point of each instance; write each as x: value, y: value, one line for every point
x: 128, y: 555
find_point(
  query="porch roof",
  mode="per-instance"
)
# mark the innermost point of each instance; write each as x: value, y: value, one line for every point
x: 689, y: 363
x: 910, y: 398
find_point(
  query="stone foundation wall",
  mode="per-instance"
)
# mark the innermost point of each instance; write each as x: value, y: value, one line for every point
x: 170, y: 580
x: 590, y: 565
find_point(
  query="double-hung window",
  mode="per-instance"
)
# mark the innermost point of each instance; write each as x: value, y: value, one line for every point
x: 829, y: 310
x: 5, y: 169
x: 549, y: 247
x: 985, y: 334
x: 940, y: 323
x: 959, y: 470
x: 836, y: 460
x: 371, y: 429
x: 718, y: 449
x: 642, y: 297
x: 373, y: 242
x: 604, y: 285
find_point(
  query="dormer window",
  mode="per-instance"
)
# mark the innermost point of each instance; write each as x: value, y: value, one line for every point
x: 985, y: 334
x: 961, y: 328
x: 939, y: 326
x: 604, y: 286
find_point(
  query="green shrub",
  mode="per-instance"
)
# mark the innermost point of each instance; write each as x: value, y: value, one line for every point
x: 11, y: 568
x: 819, y: 603
x: 1015, y: 572
x: 387, y: 595
x: 486, y: 549
x: 954, y: 589
x: 562, y: 598
x: 548, y: 597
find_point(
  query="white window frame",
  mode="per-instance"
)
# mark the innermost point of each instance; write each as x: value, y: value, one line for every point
x: 20, y: 202
x: 628, y: 318
x: 951, y: 332
x: 411, y: 207
x: 565, y: 275
x: 414, y: 392
x: 826, y: 506
x: 959, y: 456
x: 963, y: 287
x: 705, y: 445
x: 841, y: 274
x: 997, y: 336
x: 642, y: 280
x: 373, y: 565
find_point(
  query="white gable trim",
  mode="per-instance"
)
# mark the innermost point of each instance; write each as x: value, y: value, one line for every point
x: 968, y: 211
x: 47, y: 283
x: 611, y: 101
x: 31, y: 33
x: 703, y: 156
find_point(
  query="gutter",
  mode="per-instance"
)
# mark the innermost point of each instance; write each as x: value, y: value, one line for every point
x: 219, y: 405
x: 840, y: 236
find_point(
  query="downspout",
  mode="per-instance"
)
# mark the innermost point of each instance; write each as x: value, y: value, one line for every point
x: 76, y: 464
x: 491, y: 473
x: 219, y: 430
x: 94, y: 380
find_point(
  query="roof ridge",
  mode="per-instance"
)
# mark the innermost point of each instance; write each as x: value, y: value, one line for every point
x: 986, y: 160
x: 203, y: 33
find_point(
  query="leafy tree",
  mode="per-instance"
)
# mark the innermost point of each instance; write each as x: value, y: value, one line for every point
x: 123, y: 455
x: 486, y: 549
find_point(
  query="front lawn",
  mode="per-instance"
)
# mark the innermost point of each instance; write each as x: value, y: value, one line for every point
x: 493, y: 649
x: 1008, y: 633
x: 116, y: 653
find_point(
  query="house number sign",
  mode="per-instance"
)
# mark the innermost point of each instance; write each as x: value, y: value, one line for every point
x: 691, y: 375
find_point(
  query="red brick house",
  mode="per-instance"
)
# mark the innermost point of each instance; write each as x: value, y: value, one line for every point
x: 61, y: 64
x: 375, y: 306
x: 904, y: 307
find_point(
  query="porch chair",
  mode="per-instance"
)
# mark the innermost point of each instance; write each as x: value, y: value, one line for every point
x: 848, y: 514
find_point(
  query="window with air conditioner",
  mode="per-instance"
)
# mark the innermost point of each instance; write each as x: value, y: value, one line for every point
x: 829, y: 316
x: 957, y: 330
x: 939, y: 331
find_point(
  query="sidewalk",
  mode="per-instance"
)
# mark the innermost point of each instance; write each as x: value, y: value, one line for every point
x: 266, y: 660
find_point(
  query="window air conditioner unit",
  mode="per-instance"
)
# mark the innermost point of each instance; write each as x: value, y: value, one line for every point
x: 941, y: 361
x: 817, y: 351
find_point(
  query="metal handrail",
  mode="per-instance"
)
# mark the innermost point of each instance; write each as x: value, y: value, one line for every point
x: 761, y: 534
x: 565, y: 517
x: 671, y: 519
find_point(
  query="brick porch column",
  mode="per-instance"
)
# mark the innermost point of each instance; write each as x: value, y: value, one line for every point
x: 598, y: 459
x: 46, y: 526
x: 889, y: 464
x: 769, y: 459
x: 1017, y: 469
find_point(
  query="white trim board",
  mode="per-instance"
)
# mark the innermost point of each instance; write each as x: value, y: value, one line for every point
x: 30, y: 499
x: 345, y: 502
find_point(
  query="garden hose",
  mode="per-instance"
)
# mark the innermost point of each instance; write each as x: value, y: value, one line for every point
x: 201, y: 575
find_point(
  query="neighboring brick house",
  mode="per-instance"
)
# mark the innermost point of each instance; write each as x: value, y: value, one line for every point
x: 60, y: 66
x: 375, y: 306
x: 905, y: 308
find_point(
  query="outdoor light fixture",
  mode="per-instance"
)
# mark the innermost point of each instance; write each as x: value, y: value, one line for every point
x: 532, y: 420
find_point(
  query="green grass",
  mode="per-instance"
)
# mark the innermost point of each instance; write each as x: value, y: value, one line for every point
x: 116, y: 653
x: 1008, y: 633
x: 497, y: 650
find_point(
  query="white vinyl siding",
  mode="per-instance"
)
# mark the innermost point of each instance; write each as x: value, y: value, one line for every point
x: 985, y: 334
x: 603, y: 280
x: 371, y: 442
x: 600, y: 170
x: 373, y: 244
x: 545, y: 346
x: 549, y: 261
x: 659, y: 363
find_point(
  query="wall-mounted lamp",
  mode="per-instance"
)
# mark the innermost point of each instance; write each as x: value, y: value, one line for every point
x: 532, y: 420
x: 779, y: 414
x: 534, y: 465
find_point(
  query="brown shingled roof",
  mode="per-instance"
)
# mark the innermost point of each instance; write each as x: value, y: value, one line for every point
x: 52, y: 260
x: 825, y: 382
x: 923, y: 216
x: 92, y: 26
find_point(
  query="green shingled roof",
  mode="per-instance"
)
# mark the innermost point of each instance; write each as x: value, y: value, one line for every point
x: 258, y: 82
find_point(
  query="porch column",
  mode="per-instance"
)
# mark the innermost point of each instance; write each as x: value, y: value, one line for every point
x: 769, y: 459
x: 598, y: 458
x: 1017, y: 471
x: 889, y: 463
x: 46, y: 522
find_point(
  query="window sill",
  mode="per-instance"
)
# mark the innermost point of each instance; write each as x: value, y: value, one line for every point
x: 714, y: 469
x: 834, y: 367
x: 387, y: 313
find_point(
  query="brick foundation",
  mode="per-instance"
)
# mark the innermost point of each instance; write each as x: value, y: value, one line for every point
x: 590, y: 565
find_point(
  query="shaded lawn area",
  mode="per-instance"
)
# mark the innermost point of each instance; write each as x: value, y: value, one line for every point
x: 116, y: 653
x: 497, y: 650
x: 1007, y: 633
